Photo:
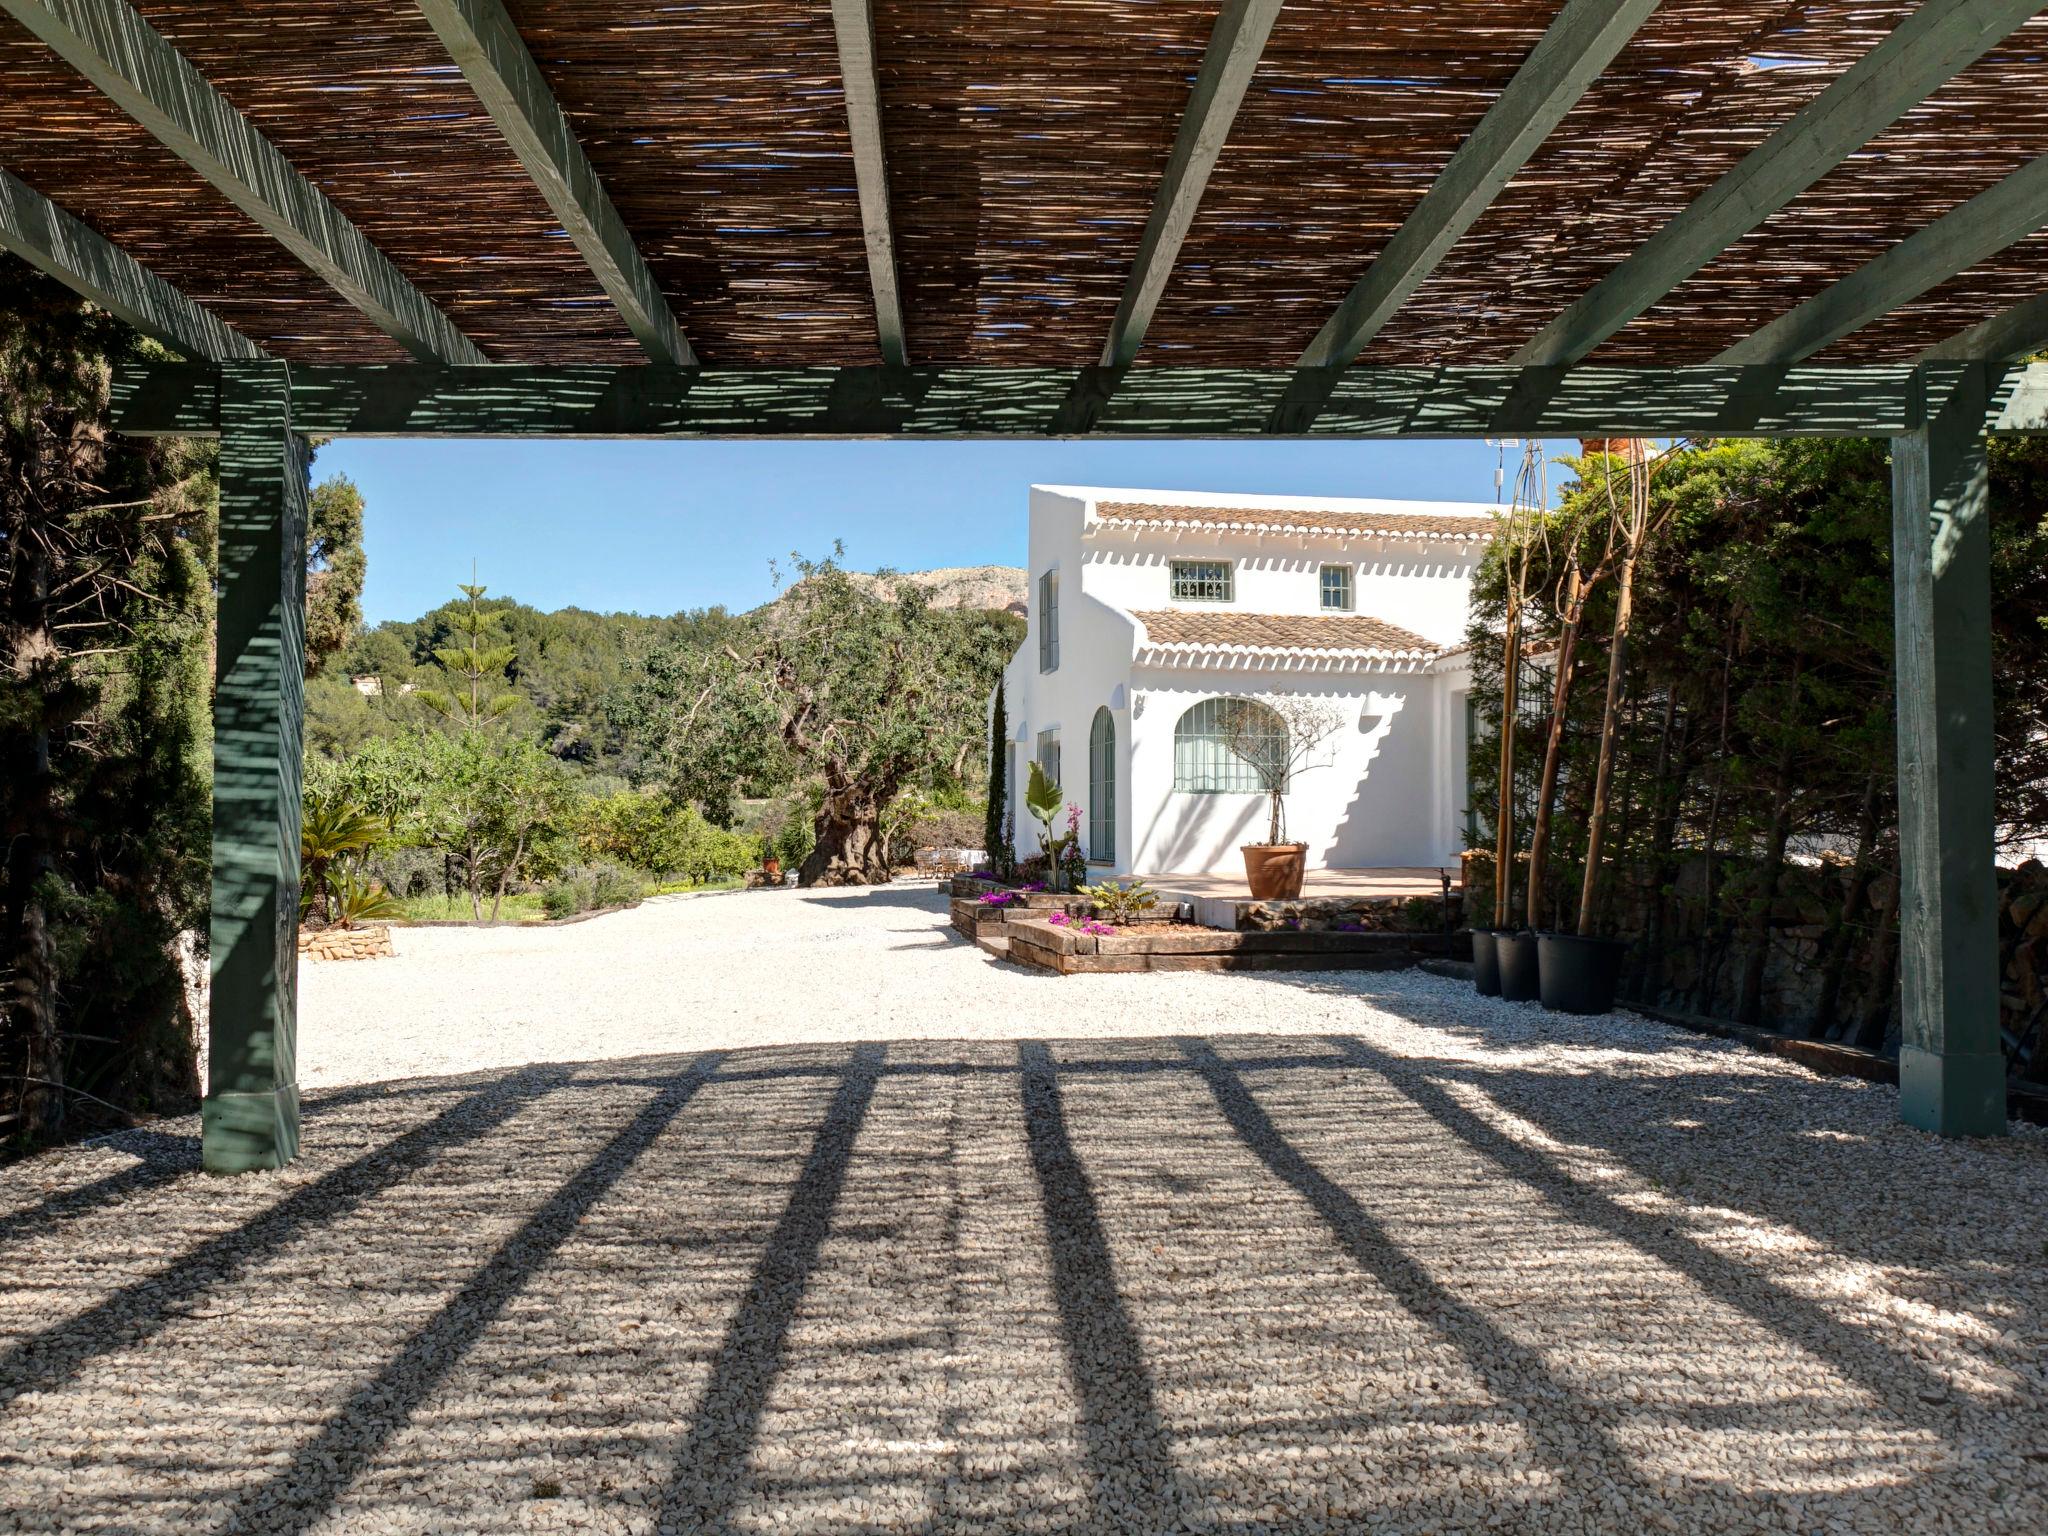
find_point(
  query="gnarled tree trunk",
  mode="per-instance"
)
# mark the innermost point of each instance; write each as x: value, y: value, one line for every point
x: 850, y: 849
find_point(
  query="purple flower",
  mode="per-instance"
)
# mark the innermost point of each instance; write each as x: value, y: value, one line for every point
x: 997, y: 899
x: 1059, y: 919
x: 1032, y: 885
x: 1101, y: 930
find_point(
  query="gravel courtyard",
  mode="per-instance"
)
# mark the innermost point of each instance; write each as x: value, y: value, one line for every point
x: 773, y: 1212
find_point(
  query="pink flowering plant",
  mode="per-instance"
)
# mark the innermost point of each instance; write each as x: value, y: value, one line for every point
x: 1059, y: 919
x: 1099, y: 928
x: 998, y: 898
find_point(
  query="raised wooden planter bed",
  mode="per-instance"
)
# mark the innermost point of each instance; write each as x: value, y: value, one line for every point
x: 989, y: 926
x: 1186, y: 947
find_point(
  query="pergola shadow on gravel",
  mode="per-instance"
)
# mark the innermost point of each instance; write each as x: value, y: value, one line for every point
x: 1050, y: 219
x: 1212, y: 1283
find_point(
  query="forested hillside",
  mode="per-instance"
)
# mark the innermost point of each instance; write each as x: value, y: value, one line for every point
x: 488, y: 759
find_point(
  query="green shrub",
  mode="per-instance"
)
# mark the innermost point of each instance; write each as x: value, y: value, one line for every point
x: 1422, y: 914
x: 611, y: 886
x: 587, y: 887
x: 1119, y: 903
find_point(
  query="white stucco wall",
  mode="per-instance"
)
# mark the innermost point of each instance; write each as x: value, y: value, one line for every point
x: 1096, y: 646
x: 1389, y: 786
x: 1369, y: 800
x: 1422, y: 586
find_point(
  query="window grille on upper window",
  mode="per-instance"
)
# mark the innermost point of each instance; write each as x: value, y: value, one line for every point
x: 1337, y: 587
x: 1102, y: 788
x: 1202, y: 581
x: 1209, y: 747
x: 1049, y: 622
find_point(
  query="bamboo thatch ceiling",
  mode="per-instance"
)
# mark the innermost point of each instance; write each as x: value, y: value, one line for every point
x: 1025, y: 143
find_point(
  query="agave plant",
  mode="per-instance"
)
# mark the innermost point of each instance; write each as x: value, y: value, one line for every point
x: 357, y: 900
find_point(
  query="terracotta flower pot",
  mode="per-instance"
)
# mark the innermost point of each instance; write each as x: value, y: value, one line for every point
x: 1274, y: 870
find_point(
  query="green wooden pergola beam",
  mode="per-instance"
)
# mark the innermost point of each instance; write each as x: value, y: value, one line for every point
x: 2006, y: 337
x: 1951, y: 1057
x: 1236, y: 43
x: 515, y: 401
x: 250, y: 1118
x: 1931, y: 46
x: 854, y: 22
x: 482, y: 40
x: 1954, y: 243
x: 45, y: 236
x: 112, y: 46
x: 1567, y: 59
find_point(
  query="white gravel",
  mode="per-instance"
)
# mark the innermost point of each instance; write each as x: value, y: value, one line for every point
x: 725, y: 971
x: 1428, y: 1263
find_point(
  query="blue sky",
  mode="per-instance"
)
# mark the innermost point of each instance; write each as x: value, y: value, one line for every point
x: 654, y: 527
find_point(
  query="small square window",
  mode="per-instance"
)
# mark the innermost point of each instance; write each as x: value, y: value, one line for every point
x: 1202, y: 581
x: 1337, y: 588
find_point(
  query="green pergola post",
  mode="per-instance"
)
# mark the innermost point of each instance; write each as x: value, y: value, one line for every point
x: 251, y: 1115
x: 1951, y: 1070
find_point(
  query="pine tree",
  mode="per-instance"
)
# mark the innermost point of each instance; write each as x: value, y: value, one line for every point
x: 480, y: 659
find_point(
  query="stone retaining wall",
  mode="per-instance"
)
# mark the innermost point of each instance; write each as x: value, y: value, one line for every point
x: 345, y: 943
x: 1186, y: 947
x: 1352, y: 914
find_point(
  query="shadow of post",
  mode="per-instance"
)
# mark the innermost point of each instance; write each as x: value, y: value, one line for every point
x: 165, y: 1159
x: 711, y: 1467
x: 1132, y: 1481
x: 1901, y: 1383
x: 383, y: 1406
x: 50, y: 1358
x: 1513, y: 1373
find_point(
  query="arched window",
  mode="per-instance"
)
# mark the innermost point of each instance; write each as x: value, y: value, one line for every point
x: 1102, y: 788
x: 1203, y: 760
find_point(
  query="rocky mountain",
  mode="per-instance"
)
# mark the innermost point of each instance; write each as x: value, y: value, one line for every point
x: 968, y: 586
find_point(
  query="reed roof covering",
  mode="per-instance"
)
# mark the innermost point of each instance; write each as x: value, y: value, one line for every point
x: 1025, y: 143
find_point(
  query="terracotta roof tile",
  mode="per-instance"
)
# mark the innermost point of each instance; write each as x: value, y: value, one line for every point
x: 1346, y: 632
x: 1301, y: 519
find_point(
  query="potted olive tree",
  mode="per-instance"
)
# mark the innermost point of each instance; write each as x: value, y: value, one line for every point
x: 1277, y: 737
x: 1579, y: 972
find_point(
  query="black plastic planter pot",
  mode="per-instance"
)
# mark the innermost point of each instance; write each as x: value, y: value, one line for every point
x: 1485, y: 963
x: 1516, y: 955
x: 1578, y: 975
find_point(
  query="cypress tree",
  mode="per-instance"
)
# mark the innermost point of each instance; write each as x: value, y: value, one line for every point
x: 992, y: 841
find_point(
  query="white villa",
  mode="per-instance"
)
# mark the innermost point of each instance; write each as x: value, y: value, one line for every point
x: 1146, y: 606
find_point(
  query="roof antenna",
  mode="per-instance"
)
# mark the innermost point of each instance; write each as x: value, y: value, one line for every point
x: 1500, y: 447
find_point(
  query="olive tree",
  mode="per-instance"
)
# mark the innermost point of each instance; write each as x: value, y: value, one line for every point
x: 863, y: 688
